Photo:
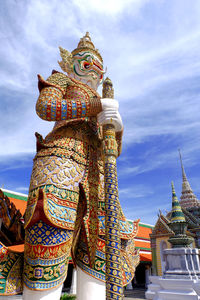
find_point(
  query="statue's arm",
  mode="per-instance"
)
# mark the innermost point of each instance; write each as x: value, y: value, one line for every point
x: 51, y: 105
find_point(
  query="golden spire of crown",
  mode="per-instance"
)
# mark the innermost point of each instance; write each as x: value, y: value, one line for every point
x: 86, y: 44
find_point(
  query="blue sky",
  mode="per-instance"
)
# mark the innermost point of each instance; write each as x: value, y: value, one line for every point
x: 152, y: 52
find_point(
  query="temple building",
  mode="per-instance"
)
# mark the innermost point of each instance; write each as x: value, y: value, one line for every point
x: 12, y: 236
x: 161, y: 233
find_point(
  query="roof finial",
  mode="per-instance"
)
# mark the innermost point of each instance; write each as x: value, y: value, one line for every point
x: 182, y: 167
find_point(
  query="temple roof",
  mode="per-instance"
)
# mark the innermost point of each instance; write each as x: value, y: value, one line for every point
x: 188, y: 198
x: 161, y: 227
x: 193, y: 222
x: 11, y: 225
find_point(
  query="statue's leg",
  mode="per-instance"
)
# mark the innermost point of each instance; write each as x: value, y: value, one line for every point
x: 88, y: 287
x: 47, y: 247
x: 53, y: 294
x: 47, y: 251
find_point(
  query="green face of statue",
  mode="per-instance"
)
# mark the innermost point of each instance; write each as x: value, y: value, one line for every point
x: 88, y: 69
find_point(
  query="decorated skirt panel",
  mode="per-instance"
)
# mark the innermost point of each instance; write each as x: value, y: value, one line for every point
x: 11, y: 270
x: 82, y: 259
x: 59, y: 180
x: 129, y: 259
x: 128, y: 229
x: 47, y: 251
x: 58, y: 205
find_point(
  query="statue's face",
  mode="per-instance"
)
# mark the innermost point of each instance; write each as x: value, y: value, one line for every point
x: 88, y: 69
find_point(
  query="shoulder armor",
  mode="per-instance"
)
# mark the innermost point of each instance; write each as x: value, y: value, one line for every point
x: 57, y: 80
x: 60, y: 79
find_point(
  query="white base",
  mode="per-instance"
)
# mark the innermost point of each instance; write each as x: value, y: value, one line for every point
x: 173, y: 289
x: 169, y: 295
x: 89, y: 288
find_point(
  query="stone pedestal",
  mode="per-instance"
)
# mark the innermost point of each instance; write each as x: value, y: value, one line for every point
x: 173, y: 289
x: 177, y: 289
x: 181, y: 279
x: 153, y: 287
x: 182, y: 263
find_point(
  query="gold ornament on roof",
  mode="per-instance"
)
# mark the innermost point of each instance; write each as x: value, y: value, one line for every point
x: 86, y: 44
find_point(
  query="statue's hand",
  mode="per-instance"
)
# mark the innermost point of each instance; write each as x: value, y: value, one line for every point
x: 110, y: 114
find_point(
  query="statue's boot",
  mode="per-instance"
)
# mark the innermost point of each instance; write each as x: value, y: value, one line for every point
x: 51, y: 294
x: 88, y: 287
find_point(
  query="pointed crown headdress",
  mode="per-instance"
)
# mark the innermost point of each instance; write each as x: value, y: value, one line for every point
x: 85, y: 44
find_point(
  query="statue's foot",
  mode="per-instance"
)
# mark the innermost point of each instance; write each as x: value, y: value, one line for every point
x: 89, y: 287
x: 52, y: 294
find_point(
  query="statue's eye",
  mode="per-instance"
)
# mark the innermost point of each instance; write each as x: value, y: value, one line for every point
x: 86, y: 65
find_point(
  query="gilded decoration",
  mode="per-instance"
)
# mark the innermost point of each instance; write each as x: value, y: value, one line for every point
x: 73, y: 206
x: 61, y: 172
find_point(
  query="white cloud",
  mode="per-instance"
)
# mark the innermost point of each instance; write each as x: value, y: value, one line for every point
x: 22, y: 189
x: 109, y: 7
x: 155, y: 159
x: 134, y: 191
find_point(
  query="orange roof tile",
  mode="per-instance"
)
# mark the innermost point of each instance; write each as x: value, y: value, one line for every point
x: 142, y: 244
x: 144, y: 231
x: 19, y: 199
x: 145, y: 257
x: 20, y: 204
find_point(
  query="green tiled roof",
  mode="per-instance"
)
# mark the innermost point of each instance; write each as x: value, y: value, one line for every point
x: 15, y: 195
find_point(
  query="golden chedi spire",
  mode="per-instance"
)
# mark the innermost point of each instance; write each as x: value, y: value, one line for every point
x: 178, y: 224
x: 177, y: 214
x: 188, y: 198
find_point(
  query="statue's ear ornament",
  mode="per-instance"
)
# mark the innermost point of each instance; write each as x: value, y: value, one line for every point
x: 66, y: 63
